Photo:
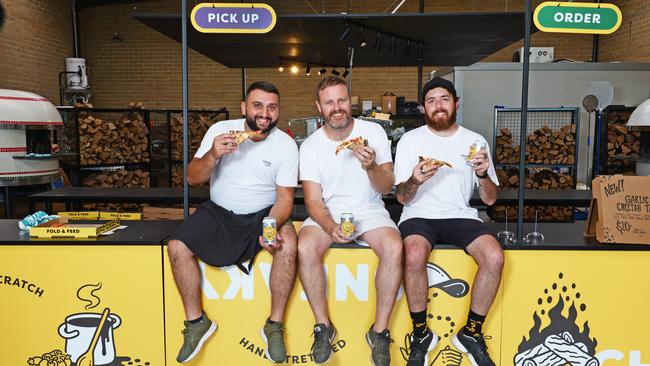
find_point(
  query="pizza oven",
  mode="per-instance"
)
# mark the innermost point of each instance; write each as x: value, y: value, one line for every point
x: 27, y: 122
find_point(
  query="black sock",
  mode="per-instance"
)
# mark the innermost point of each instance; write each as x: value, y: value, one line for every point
x: 269, y: 321
x: 474, y: 326
x: 419, y: 323
x: 197, y: 320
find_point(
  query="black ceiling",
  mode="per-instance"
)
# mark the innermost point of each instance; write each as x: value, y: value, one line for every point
x: 449, y: 39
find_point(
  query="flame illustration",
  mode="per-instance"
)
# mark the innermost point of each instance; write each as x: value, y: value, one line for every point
x: 559, y: 324
x: 86, y: 293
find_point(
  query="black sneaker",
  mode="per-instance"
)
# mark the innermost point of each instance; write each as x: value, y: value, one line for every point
x: 322, y: 347
x: 420, y: 348
x: 473, y: 347
x: 380, y: 347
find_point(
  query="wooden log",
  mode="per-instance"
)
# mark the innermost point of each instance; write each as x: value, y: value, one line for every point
x: 545, y: 359
x: 521, y: 357
x: 564, y: 347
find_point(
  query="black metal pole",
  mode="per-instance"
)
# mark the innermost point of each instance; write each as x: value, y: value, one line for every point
x: 8, y: 203
x: 420, y: 62
x: 524, y: 120
x: 169, y: 148
x: 594, y: 47
x: 186, y: 187
x: 350, y: 66
x: 243, y: 83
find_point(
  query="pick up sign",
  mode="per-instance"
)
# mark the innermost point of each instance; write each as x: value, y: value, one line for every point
x: 233, y: 18
x: 574, y: 17
x: 620, y: 209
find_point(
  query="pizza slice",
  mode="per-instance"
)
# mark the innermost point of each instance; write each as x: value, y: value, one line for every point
x: 241, y: 136
x: 432, y: 163
x: 351, y: 144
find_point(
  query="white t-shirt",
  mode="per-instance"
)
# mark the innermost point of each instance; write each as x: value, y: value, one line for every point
x: 245, y: 181
x: 446, y: 195
x: 345, y: 185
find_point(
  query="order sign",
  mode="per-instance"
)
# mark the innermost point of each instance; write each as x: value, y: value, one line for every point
x: 571, y: 17
x: 233, y: 18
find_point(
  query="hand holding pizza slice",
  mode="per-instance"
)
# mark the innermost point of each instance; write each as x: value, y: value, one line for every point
x: 351, y: 144
x: 430, y: 163
x: 241, y: 136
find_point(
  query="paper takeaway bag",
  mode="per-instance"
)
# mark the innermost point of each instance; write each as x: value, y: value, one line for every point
x: 389, y: 103
x: 620, y: 210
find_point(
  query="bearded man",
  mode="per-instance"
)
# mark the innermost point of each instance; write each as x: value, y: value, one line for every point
x: 252, y: 167
x: 436, y: 210
x: 350, y: 181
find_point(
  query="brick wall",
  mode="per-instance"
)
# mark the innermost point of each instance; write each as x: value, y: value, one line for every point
x: 631, y: 42
x: 34, y: 42
x: 146, y: 65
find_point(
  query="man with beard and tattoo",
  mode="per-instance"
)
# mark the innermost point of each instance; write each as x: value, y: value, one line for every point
x: 248, y: 182
x: 351, y: 181
x: 436, y: 210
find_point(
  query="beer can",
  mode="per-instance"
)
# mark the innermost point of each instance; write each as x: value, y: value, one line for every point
x: 477, y: 145
x: 269, y: 230
x: 347, y: 224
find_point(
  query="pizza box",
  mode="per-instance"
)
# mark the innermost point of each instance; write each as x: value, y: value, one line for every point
x: 80, y: 215
x: 60, y: 228
x: 120, y: 215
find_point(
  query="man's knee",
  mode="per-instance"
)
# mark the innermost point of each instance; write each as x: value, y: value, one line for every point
x: 496, y: 258
x: 177, y: 250
x: 309, y: 248
x: 417, y: 251
x: 490, y: 254
x: 393, y: 249
x: 289, y: 241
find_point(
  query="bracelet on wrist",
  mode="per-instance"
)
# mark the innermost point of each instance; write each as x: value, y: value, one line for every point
x: 482, y: 176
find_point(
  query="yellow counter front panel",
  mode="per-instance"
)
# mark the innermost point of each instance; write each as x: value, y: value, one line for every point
x: 585, y: 307
x: 581, y: 306
x: 240, y: 304
x: 52, y: 297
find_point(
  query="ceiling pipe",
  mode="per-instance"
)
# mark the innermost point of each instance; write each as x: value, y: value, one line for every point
x: 75, y: 33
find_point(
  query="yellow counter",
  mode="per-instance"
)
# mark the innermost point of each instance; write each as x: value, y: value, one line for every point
x: 571, y: 305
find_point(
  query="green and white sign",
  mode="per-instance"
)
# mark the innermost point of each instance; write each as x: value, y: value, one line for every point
x: 571, y: 17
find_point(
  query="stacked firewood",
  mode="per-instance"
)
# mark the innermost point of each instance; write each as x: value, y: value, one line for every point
x: 117, y: 178
x: 542, y: 179
x: 544, y: 213
x: 198, y: 125
x: 177, y: 176
x: 544, y: 146
x: 621, y: 143
x: 506, y: 151
x: 113, y: 142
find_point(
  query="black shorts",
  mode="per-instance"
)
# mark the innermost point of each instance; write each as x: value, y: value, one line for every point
x: 220, y: 237
x: 458, y: 232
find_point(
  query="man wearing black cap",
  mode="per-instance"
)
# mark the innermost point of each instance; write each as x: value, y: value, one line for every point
x: 436, y: 210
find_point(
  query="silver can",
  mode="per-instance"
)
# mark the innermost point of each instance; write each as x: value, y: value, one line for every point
x: 347, y: 224
x: 477, y: 145
x: 269, y: 230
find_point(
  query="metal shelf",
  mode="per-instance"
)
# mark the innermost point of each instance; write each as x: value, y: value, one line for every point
x: 530, y: 165
x: 158, y: 123
x: 555, y: 119
x: 115, y: 166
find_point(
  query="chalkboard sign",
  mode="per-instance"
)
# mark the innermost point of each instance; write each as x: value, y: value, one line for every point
x: 620, y: 210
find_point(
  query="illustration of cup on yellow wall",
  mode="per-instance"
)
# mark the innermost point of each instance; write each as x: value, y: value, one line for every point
x: 83, y: 331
